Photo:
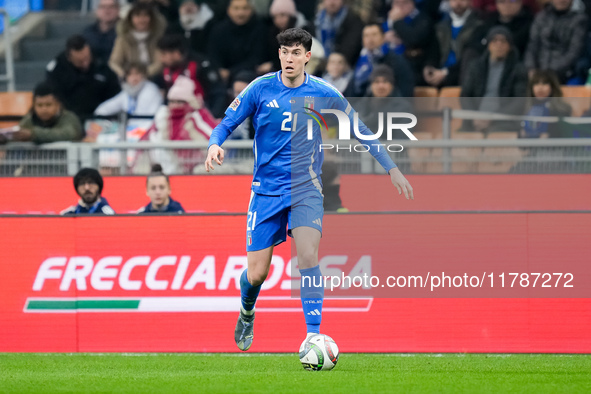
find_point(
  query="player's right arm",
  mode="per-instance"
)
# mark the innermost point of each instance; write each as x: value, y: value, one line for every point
x: 241, y: 108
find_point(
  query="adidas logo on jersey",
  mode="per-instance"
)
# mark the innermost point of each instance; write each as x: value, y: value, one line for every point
x: 317, y: 222
x: 273, y: 104
x: 315, y: 312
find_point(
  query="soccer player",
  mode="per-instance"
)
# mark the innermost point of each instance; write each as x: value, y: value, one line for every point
x: 286, y: 188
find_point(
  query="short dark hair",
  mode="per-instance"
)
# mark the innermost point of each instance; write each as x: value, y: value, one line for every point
x: 295, y: 36
x: 172, y: 42
x: 382, y: 71
x: 75, y: 43
x: 44, y: 89
x: 375, y: 23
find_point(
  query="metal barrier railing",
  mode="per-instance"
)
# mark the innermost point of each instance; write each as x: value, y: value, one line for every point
x: 486, y: 154
x: 418, y: 157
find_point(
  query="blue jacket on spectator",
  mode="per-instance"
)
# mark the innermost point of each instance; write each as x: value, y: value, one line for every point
x: 172, y: 207
x: 101, y: 207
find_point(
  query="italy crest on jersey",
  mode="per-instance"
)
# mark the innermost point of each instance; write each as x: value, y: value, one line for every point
x: 309, y: 102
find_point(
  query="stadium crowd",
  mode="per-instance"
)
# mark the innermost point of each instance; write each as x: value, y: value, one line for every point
x: 180, y: 62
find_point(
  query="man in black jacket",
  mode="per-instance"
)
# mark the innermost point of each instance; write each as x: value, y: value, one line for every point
x: 410, y: 33
x: 80, y: 82
x: 557, y: 38
x: 238, y: 42
x: 493, y: 78
x: 515, y: 17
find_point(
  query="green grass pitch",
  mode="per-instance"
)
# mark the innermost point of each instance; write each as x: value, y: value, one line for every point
x: 282, y: 373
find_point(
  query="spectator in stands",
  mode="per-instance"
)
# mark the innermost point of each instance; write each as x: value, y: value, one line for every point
x: 375, y: 51
x: 158, y: 190
x: 382, y: 82
x: 339, y: 30
x: 81, y: 83
x: 283, y: 16
x: 556, y: 39
x: 459, y: 35
x: 410, y: 33
x: 546, y: 100
x: 48, y: 121
x: 195, y: 24
x: 338, y: 73
x: 137, y: 36
x: 497, y: 75
x: 307, y: 8
x: 183, y: 119
x: 101, y: 34
x: 177, y: 60
x: 88, y: 184
x: 430, y: 8
x: 515, y: 17
x: 167, y: 8
x: 489, y: 6
x: 238, y: 42
x: 245, y: 130
x: 382, y: 97
x: 138, y: 96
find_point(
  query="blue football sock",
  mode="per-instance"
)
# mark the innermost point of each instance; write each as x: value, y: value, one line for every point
x: 312, y: 295
x: 248, y: 292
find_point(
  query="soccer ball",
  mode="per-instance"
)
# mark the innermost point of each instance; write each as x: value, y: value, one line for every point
x: 319, y: 353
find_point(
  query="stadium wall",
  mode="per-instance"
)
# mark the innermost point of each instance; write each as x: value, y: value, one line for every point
x: 169, y: 284
x: 227, y: 193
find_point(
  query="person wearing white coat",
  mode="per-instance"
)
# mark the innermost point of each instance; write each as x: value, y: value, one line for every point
x: 137, y: 97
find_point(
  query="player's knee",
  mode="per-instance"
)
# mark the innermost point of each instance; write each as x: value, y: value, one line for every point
x: 307, y: 259
x: 256, y: 277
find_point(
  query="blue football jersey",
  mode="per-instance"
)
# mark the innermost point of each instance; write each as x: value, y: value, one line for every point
x: 285, y: 156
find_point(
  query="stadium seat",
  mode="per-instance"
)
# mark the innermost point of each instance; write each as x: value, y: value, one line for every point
x: 450, y: 98
x: 507, y: 156
x: 426, y: 91
x: 467, y: 158
x: 579, y: 97
x: 431, y: 125
x: 427, y: 99
x: 15, y: 104
x: 418, y: 156
x: 502, y: 135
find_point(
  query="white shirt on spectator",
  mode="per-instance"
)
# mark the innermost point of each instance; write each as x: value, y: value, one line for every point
x: 147, y: 102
